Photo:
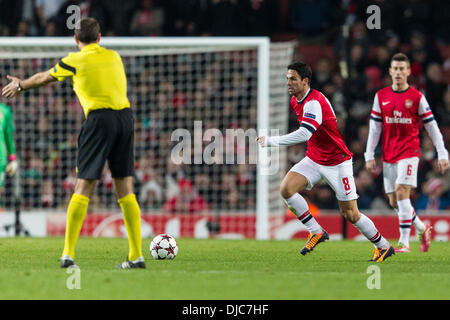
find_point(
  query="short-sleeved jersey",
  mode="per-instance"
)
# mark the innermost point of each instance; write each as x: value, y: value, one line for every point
x: 315, y: 113
x: 98, y: 77
x: 400, y: 113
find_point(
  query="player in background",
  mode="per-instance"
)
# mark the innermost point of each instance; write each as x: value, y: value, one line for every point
x: 99, y: 80
x: 327, y: 158
x: 8, y: 162
x: 397, y: 112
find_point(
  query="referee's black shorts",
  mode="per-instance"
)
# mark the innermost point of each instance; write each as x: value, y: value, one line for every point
x: 106, y: 135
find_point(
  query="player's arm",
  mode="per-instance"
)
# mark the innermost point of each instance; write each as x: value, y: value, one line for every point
x: 16, y: 85
x: 435, y: 134
x: 298, y: 136
x: 375, y: 128
x: 312, y: 119
x: 61, y: 71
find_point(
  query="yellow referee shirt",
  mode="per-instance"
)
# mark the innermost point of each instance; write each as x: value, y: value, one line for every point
x: 98, y: 77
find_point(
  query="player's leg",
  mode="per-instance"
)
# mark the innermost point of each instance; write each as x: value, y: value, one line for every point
x: 407, y: 216
x: 405, y: 181
x: 298, y: 179
x: 94, y: 144
x: 302, y: 176
x: 405, y: 213
x: 121, y: 164
x: 132, y: 215
x: 341, y: 180
x: 350, y: 211
x: 76, y: 213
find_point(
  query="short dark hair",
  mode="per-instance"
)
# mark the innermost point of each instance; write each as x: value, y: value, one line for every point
x: 303, y: 70
x: 401, y: 57
x: 87, y: 30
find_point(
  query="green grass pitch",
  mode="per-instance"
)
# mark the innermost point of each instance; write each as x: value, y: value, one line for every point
x: 216, y: 269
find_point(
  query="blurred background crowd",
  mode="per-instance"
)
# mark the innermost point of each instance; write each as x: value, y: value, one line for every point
x: 417, y: 28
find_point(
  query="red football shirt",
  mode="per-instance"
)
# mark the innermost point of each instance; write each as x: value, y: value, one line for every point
x: 400, y: 112
x: 314, y: 112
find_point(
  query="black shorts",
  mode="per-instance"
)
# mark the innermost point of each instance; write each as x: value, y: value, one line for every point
x: 106, y: 135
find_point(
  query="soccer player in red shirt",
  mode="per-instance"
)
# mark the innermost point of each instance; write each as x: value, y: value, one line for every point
x: 397, y: 112
x: 327, y: 158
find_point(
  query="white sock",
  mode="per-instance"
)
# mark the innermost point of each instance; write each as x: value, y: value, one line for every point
x: 368, y: 229
x: 297, y: 204
x: 418, y: 224
x: 405, y: 211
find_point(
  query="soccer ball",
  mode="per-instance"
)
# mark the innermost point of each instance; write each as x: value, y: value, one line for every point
x: 163, y: 246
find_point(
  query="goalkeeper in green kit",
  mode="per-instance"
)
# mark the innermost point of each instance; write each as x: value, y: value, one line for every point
x: 8, y: 162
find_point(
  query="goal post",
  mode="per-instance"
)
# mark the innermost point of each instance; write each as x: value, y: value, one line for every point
x: 212, y: 84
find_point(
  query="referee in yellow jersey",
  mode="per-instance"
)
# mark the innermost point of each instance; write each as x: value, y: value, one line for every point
x: 99, y: 80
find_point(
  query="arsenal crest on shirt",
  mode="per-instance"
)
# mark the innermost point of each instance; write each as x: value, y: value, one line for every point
x: 408, y: 103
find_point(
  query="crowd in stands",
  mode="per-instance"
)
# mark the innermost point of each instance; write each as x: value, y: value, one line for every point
x: 417, y: 28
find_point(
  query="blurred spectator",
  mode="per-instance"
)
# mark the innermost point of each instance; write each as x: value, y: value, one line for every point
x: 184, y: 17
x: 415, y: 13
x: 365, y: 188
x: 360, y: 36
x: 324, y: 197
x: 443, y: 114
x: 46, y: 10
x: 392, y: 42
x: 48, y: 198
x: 50, y: 29
x: 382, y: 60
x: 390, y: 11
x: 148, y: 20
x: 423, y: 44
x: 441, y: 17
x: 151, y: 192
x: 186, y: 201
x: 310, y: 18
x: 435, y: 87
x: 10, y: 15
x: 23, y: 29
x: 224, y: 18
x: 322, y: 73
x: 433, y: 197
x: 91, y: 8
x: 261, y: 17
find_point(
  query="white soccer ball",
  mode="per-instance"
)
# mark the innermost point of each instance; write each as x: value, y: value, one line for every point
x: 163, y: 246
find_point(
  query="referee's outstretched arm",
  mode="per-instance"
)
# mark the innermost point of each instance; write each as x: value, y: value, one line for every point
x: 16, y: 86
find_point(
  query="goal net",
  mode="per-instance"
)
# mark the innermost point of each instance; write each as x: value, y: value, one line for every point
x: 199, y: 103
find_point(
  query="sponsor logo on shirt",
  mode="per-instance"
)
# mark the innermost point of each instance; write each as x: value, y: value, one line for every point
x: 310, y: 115
x: 408, y: 103
x: 398, y: 118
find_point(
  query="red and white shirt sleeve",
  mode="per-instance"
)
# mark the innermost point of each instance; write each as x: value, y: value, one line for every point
x: 432, y: 128
x: 311, y: 120
x: 375, y: 128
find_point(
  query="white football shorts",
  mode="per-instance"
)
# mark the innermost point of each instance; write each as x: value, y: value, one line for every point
x: 339, y: 177
x: 402, y: 172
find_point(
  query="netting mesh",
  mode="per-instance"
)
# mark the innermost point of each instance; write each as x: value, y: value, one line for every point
x: 169, y: 88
